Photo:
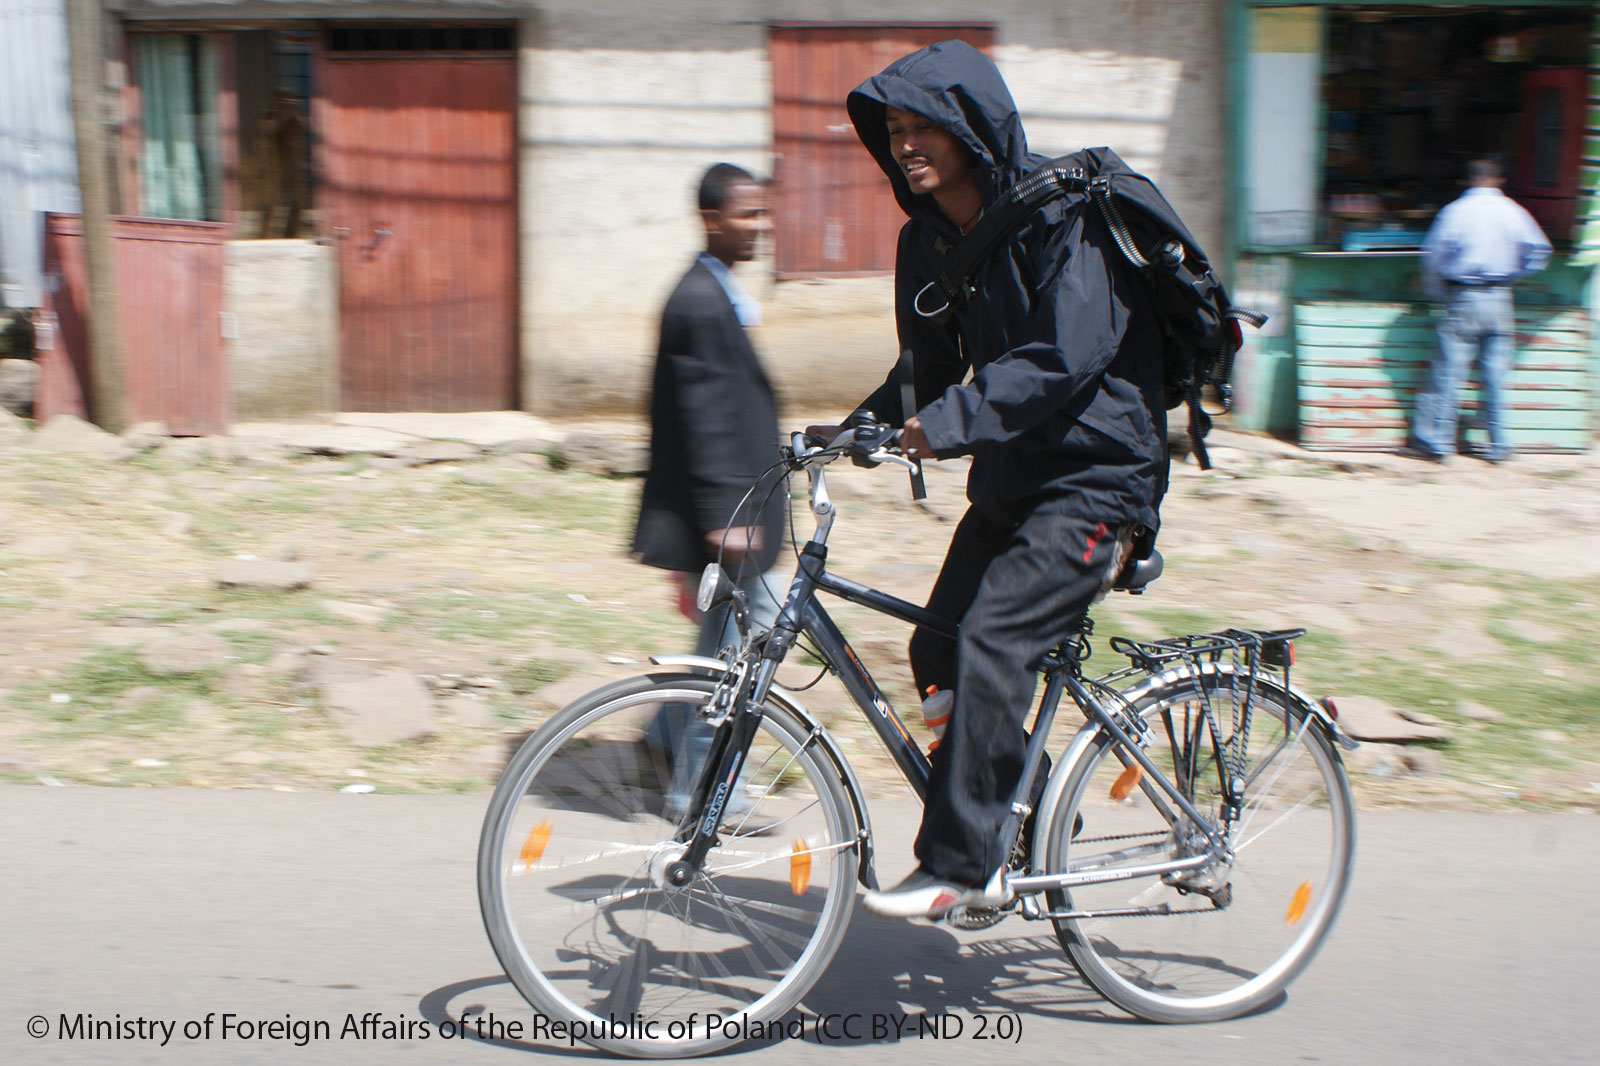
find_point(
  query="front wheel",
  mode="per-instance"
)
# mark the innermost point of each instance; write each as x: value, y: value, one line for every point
x: 572, y: 875
x: 1225, y: 939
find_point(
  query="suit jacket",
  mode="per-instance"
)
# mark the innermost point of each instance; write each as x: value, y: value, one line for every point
x: 713, y: 432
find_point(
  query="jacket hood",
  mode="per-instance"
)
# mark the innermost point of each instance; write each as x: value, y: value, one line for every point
x: 959, y: 88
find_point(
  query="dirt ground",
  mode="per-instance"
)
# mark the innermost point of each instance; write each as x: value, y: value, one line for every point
x: 1465, y: 595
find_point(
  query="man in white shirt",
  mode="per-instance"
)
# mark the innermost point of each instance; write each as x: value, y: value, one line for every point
x: 1476, y: 249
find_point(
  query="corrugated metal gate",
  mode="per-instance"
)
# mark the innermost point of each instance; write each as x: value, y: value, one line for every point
x: 418, y: 182
x: 1360, y: 365
x: 169, y: 277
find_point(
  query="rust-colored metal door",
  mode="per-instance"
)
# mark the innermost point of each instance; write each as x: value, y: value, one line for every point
x: 833, y: 210
x: 169, y: 279
x: 418, y: 186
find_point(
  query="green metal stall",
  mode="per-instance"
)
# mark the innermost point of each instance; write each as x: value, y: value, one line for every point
x: 1336, y: 151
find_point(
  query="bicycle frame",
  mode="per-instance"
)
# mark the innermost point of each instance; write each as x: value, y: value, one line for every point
x: 802, y: 613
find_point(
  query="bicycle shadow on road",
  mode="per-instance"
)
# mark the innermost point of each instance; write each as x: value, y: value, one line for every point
x: 435, y: 1009
x: 887, y: 966
x: 884, y: 968
x: 891, y: 967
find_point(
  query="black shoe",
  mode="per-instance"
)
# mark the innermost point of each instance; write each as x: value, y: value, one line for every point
x: 1414, y: 450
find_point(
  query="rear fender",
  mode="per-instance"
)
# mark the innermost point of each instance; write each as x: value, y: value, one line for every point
x: 1084, y: 739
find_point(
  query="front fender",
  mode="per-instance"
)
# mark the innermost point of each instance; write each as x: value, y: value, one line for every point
x: 866, y: 871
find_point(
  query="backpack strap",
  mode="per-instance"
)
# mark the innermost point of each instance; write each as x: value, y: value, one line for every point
x: 1059, y: 177
x: 951, y: 288
x: 1232, y: 338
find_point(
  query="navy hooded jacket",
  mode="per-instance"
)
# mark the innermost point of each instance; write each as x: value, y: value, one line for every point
x: 1064, y: 410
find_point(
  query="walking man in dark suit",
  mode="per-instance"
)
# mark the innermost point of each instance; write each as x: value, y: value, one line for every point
x: 713, y: 432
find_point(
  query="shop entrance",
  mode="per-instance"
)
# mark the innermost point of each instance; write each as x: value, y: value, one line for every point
x: 1412, y: 94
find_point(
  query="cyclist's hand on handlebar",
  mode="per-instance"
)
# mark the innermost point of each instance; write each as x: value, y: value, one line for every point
x: 913, y: 441
x: 824, y: 434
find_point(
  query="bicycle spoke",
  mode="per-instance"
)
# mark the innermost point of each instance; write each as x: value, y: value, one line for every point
x: 583, y: 917
x: 766, y: 934
x: 519, y: 867
x: 1216, y: 940
x: 1282, y: 818
x: 777, y: 856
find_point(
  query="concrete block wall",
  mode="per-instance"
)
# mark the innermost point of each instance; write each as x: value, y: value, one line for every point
x: 283, y: 300
x: 624, y: 103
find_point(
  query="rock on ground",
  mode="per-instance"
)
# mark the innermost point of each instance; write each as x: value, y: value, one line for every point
x: 185, y: 653
x: 1369, y: 718
x: 13, y: 430
x: 264, y: 574
x: 71, y: 434
x: 596, y: 453
x: 16, y: 386
x: 381, y: 710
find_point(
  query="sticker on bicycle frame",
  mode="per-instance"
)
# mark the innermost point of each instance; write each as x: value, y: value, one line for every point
x: 714, y: 811
x: 879, y: 704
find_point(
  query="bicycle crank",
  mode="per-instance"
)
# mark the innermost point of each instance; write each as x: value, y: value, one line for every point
x: 975, y: 917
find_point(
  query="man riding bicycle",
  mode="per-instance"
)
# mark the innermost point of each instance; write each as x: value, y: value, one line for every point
x: 1063, y: 416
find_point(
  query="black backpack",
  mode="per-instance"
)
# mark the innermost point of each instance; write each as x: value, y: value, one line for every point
x: 1199, y: 325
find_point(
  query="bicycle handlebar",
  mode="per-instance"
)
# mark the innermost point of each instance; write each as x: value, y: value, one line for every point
x: 866, y: 444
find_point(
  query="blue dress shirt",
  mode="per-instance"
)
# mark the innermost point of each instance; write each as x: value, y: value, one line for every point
x: 744, y: 305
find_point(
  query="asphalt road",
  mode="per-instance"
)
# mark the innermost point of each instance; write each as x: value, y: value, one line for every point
x: 1466, y: 938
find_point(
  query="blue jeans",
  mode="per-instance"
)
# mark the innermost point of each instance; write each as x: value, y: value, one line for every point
x: 1478, y: 326
x: 678, y: 730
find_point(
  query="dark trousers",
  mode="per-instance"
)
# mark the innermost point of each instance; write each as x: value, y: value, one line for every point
x: 1019, y: 591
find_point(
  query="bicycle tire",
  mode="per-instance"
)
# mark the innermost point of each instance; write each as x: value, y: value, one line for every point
x: 1240, y: 931
x: 571, y: 886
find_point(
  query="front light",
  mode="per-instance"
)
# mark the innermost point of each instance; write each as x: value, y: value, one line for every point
x: 714, y: 588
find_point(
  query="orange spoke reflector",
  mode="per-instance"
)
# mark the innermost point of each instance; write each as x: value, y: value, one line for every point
x: 1297, y: 905
x: 799, y: 867
x: 1125, y: 781
x: 533, y: 846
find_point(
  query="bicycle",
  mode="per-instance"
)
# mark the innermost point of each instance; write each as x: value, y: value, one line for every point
x: 1191, y: 849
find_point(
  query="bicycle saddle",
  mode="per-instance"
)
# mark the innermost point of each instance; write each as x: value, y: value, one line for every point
x: 1135, y: 578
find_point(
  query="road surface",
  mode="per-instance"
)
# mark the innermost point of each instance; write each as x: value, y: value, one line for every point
x: 1466, y: 938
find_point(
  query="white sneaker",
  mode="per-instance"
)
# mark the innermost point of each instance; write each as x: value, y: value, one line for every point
x: 922, y: 895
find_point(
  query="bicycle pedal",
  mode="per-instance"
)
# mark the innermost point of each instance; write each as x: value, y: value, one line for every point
x: 975, y: 917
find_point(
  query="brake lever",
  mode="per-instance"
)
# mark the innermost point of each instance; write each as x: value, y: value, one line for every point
x: 884, y: 456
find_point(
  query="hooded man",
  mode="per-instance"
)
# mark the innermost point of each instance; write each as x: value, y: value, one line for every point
x: 1063, y: 415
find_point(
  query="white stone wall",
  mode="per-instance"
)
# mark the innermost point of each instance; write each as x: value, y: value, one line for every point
x: 625, y: 102
x: 623, y: 107
x: 283, y: 300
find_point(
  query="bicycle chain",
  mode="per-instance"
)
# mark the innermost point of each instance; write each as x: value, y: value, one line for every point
x: 1110, y: 839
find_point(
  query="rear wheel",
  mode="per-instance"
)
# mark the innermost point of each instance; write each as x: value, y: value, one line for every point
x: 1225, y: 939
x: 572, y: 877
